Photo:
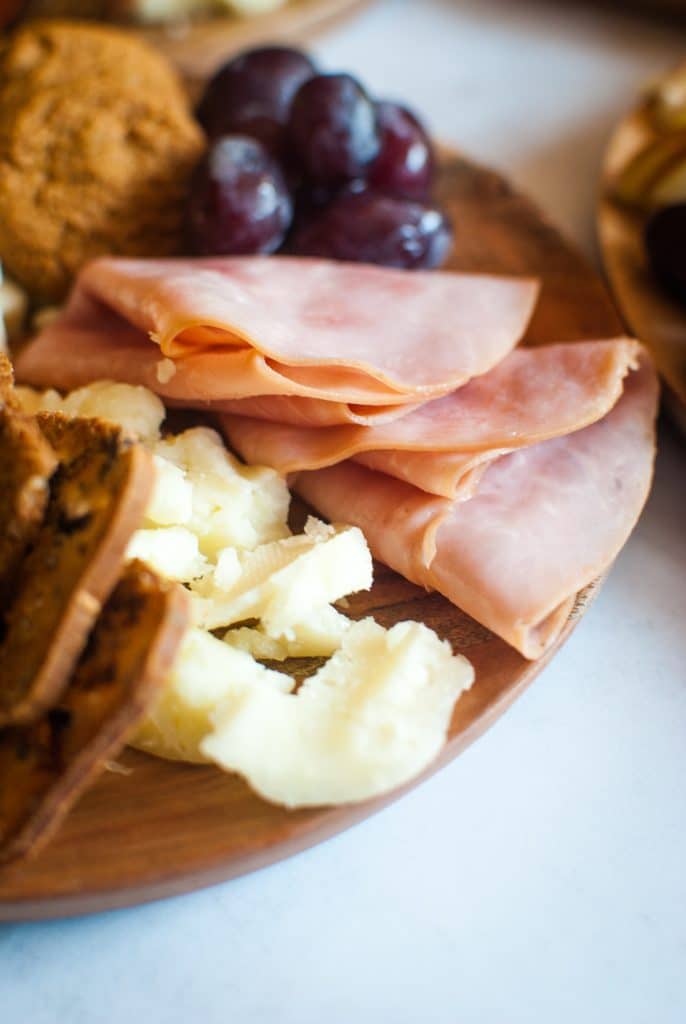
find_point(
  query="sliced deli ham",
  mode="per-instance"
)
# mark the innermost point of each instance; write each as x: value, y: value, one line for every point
x: 214, y: 331
x: 445, y: 445
x: 545, y: 522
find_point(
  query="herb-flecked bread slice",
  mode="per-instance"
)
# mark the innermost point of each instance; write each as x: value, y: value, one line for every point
x: 45, y: 767
x: 7, y: 382
x: 26, y: 464
x: 98, y: 496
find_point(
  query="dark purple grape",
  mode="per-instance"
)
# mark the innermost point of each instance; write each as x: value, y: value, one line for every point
x: 405, y: 165
x: 311, y: 200
x: 238, y: 201
x: 665, y: 242
x: 252, y: 94
x: 333, y: 130
x: 371, y: 228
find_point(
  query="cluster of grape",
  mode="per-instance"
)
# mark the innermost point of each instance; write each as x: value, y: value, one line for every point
x: 309, y: 164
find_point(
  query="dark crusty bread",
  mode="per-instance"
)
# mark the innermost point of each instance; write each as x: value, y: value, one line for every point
x: 6, y: 382
x: 97, y: 500
x: 44, y: 767
x: 27, y: 462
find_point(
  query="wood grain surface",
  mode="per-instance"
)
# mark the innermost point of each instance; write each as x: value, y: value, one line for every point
x: 199, y: 48
x: 649, y: 312
x: 165, y: 828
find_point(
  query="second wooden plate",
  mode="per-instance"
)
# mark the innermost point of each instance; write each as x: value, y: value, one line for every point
x: 649, y: 312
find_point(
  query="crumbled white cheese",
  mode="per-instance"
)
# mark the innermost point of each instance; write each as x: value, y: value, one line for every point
x: 375, y: 714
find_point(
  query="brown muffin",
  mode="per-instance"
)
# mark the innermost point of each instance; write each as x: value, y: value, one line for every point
x: 96, y: 148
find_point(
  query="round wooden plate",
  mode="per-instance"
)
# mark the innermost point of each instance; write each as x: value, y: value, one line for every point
x: 649, y: 313
x: 165, y: 828
x: 197, y: 48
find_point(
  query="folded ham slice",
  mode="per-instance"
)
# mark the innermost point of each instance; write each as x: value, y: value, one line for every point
x: 445, y: 445
x: 546, y: 520
x: 363, y: 339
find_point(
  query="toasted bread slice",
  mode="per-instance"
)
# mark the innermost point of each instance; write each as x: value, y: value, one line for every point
x: 27, y: 462
x: 6, y: 382
x: 98, y: 497
x: 45, y: 767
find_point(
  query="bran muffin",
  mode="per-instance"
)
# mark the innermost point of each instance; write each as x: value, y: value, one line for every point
x: 96, y: 148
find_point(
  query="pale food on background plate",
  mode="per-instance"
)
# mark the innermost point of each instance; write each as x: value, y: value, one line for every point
x: 148, y: 11
x: 652, y: 169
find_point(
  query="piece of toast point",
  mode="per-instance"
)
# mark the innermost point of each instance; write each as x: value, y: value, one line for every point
x: 7, y: 382
x: 98, y: 496
x: 46, y: 766
x: 26, y: 464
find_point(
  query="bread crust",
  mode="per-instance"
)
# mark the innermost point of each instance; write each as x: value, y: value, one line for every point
x: 45, y: 767
x: 98, y: 497
x: 26, y: 466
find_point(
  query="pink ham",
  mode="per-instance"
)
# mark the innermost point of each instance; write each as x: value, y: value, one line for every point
x: 545, y: 522
x: 363, y: 339
x: 445, y: 445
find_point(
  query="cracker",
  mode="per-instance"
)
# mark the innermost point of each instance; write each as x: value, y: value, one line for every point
x: 98, y: 497
x: 46, y: 766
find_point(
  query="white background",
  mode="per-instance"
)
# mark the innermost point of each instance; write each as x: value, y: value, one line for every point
x: 539, y: 878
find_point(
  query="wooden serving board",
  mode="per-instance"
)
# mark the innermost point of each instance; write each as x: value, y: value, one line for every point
x: 650, y: 313
x: 198, y: 48
x: 165, y: 828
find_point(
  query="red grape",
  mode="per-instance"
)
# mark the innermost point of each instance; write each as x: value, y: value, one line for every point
x: 371, y: 228
x: 309, y: 201
x: 405, y: 165
x: 333, y: 129
x: 252, y: 94
x: 239, y: 202
x: 361, y: 172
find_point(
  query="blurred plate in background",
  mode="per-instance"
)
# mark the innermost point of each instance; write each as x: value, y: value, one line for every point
x: 198, y: 48
x: 649, y: 313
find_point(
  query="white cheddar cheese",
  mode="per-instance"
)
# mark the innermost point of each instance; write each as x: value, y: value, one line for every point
x: 233, y: 505
x: 317, y: 637
x: 283, y: 583
x: 171, y: 503
x: 369, y: 719
x: 206, y: 672
x: 172, y: 551
x: 375, y: 715
x: 135, y: 408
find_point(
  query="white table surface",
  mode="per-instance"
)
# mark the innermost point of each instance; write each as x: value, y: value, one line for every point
x: 540, y: 877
